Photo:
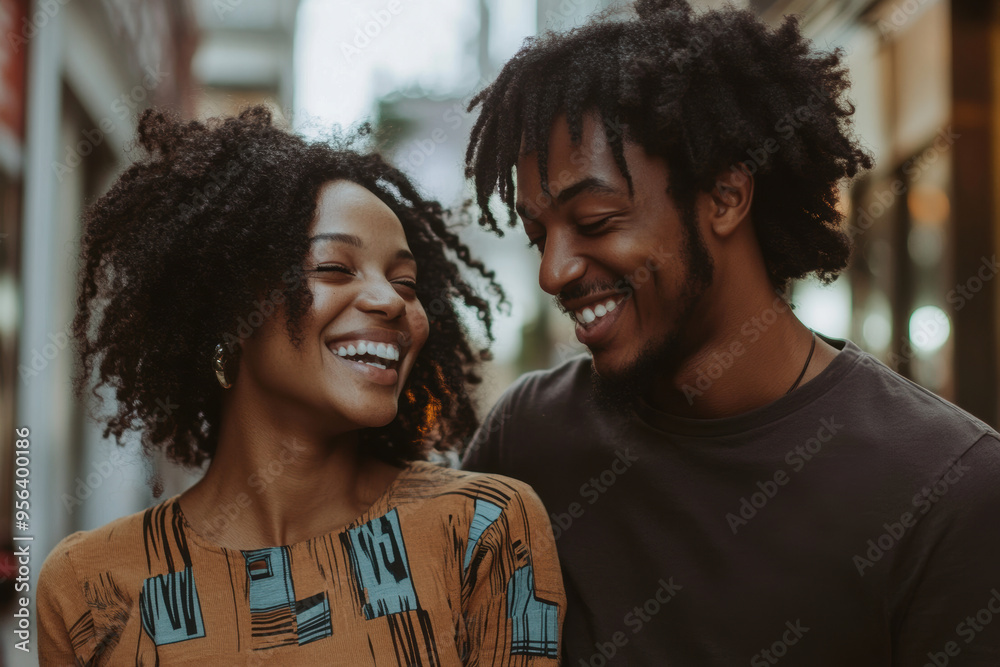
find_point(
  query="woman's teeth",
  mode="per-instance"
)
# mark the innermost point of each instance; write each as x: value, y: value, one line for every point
x: 386, y: 351
x: 587, y: 315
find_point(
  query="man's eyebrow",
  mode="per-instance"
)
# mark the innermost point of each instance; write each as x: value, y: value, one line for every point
x: 590, y: 185
x: 338, y: 237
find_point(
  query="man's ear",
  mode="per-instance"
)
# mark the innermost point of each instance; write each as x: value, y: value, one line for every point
x: 730, y: 200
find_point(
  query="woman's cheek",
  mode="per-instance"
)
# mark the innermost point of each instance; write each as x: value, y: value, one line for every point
x: 420, y: 327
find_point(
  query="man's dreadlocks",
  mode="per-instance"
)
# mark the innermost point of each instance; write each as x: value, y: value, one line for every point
x: 707, y: 92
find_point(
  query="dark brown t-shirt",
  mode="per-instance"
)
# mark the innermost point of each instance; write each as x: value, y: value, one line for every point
x: 852, y: 522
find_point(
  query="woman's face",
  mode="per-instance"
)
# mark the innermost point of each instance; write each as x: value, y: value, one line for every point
x: 364, y: 329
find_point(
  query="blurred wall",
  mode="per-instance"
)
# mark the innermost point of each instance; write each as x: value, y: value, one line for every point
x: 74, y: 76
x: 91, y: 67
x: 922, y: 295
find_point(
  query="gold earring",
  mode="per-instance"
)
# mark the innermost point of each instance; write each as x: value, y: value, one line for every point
x: 219, y: 365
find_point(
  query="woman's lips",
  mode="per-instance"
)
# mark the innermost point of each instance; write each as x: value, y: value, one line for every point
x: 381, y: 376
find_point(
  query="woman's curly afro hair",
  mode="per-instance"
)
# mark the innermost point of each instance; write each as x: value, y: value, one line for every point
x: 707, y: 92
x: 177, y: 255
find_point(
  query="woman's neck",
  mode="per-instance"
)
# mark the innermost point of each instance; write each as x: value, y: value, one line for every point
x: 276, y: 479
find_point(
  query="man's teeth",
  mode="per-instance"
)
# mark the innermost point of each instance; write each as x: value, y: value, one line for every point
x: 587, y: 315
x: 385, y: 351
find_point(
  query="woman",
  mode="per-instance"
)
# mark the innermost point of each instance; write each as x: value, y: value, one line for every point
x: 294, y: 307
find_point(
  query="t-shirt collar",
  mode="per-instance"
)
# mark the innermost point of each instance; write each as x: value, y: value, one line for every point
x: 805, y: 394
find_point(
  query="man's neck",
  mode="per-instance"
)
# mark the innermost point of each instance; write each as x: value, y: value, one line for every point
x: 751, y: 361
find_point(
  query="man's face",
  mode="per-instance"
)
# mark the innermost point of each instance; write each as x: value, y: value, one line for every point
x: 629, y: 270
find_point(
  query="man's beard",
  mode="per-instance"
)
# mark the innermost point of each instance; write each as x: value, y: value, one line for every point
x: 620, y: 390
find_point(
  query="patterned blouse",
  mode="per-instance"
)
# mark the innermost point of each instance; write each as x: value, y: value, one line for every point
x: 446, y: 568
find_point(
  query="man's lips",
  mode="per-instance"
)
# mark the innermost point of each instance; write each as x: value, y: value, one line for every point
x: 589, y: 310
x: 594, y: 327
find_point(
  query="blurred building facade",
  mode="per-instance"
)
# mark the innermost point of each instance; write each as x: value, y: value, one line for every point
x: 85, y: 70
x: 74, y: 77
x: 13, y: 61
x: 921, y: 290
x: 244, y: 55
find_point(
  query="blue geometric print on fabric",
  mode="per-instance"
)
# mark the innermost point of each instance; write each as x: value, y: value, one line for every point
x: 168, y: 604
x: 277, y: 618
x: 378, y: 559
x: 312, y: 616
x: 535, y: 623
x: 486, y: 514
x: 270, y: 578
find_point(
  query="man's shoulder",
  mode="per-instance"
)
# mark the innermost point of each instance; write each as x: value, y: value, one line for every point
x: 527, y: 429
x: 901, y: 404
x: 551, y: 388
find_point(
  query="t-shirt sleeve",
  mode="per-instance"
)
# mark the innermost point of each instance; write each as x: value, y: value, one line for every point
x: 948, y: 611
x: 59, y: 608
x: 487, y: 451
x: 513, y: 597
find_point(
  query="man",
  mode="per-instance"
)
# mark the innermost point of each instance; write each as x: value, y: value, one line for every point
x: 726, y: 487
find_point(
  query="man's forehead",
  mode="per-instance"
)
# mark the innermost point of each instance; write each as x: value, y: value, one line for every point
x: 592, y: 142
x: 563, y: 189
x: 586, y: 166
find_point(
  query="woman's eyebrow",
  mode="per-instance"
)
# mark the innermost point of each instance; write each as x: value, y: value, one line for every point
x: 339, y: 237
x: 352, y: 240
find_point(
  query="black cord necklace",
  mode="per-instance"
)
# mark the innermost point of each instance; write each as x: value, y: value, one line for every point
x: 808, y: 359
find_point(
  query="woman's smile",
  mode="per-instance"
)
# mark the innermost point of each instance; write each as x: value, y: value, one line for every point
x: 374, y: 353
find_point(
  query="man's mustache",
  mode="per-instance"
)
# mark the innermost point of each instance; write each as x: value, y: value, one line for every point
x: 582, y: 292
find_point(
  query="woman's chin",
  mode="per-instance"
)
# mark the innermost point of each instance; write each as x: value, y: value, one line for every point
x: 376, y: 418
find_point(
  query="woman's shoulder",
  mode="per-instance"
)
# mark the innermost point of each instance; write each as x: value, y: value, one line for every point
x: 450, y: 486
x: 110, y: 547
x: 449, y: 481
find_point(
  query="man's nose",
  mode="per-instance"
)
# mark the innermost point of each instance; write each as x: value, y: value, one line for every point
x: 561, y: 264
